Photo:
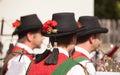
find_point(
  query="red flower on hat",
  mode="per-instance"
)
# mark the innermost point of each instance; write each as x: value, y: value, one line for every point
x: 49, y: 26
x: 16, y: 23
x: 79, y: 25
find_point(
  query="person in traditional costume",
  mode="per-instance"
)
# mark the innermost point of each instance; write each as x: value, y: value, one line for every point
x: 62, y: 31
x: 87, y: 42
x: 30, y: 37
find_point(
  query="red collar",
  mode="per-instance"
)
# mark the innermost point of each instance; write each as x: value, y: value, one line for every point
x: 78, y: 54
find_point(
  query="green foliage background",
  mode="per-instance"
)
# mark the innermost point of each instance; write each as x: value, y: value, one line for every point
x: 107, y: 9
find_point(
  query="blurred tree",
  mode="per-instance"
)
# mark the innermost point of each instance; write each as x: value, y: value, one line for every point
x: 108, y: 9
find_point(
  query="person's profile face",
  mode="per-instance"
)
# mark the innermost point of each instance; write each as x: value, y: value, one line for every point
x: 38, y: 38
x: 97, y: 41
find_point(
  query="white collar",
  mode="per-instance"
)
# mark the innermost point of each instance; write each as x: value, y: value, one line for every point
x: 61, y: 50
x: 81, y: 50
x: 28, y: 49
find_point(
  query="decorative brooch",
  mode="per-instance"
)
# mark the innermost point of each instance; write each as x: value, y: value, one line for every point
x: 50, y: 27
x: 16, y: 23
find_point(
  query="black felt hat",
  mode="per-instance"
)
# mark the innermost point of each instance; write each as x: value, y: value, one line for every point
x: 66, y: 24
x: 91, y: 25
x: 28, y: 23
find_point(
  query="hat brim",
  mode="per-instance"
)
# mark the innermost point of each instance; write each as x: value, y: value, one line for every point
x: 92, y: 31
x: 64, y: 33
x: 18, y: 31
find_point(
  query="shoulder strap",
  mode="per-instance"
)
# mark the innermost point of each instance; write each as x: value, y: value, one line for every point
x: 13, y: 54
x: 80, y: 59
x: 67, y: 65
x: 29, y: 67
x: 9, y: 57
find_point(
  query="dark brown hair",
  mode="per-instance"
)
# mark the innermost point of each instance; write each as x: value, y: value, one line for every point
x: 84, y: 38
